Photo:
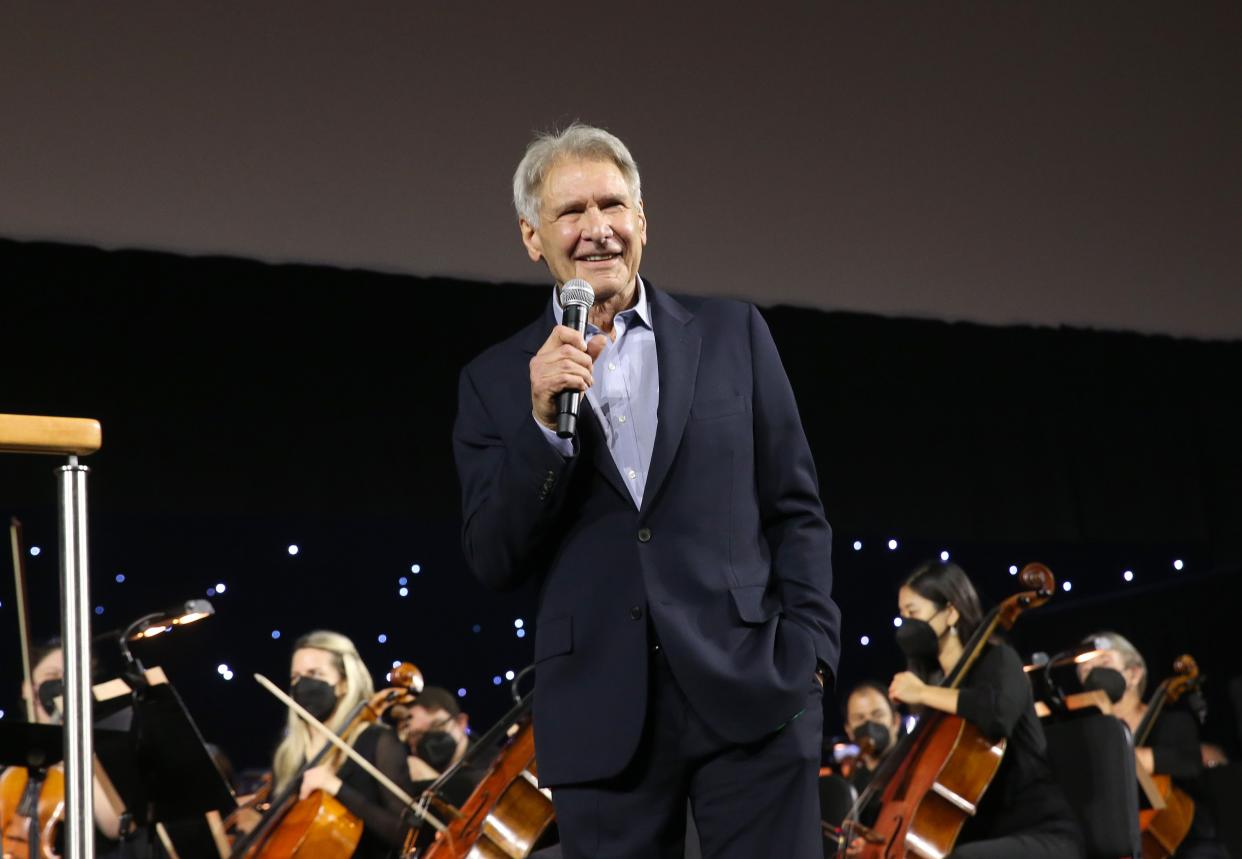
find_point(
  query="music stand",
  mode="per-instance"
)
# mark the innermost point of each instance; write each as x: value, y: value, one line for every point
x: 165, y: 775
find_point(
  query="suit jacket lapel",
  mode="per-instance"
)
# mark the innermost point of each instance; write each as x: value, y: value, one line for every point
x: 677, y: 353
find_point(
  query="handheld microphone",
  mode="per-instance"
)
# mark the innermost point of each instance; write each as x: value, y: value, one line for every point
x: 577, y: 297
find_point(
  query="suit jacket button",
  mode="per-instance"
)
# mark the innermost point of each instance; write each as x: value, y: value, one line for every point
x: 644, y: 535
x: 636, y: 613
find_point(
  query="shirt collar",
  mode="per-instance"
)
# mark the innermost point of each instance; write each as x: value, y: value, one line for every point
x: 640, y: 309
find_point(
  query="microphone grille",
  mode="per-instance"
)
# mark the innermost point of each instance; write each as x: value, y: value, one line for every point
x: 577, y: 291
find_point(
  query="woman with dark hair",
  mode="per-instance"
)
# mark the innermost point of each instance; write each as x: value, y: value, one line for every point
x: 1023, y: 813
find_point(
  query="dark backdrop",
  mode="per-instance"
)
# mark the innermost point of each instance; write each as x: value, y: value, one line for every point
x: 249, y: 407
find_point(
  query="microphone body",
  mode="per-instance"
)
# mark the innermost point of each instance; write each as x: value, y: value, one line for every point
x: 577, y: 297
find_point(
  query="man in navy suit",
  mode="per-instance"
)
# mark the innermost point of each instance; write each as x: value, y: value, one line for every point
x: 685, y: 624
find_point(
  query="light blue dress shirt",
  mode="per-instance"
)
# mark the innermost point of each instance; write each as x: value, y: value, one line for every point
x: 626, y: 393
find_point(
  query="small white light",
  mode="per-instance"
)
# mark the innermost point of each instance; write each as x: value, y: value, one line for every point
x: 293, y: 549
x: 416, y: 568
x: 911, y: 723
x: 858, y: 545
x: 521, y: 633
x: 1128, y: 575
x: 461, y: 692
x: 35, y: 551
x: 944, y: 555
x: 865, y: 640
x: 1013, y: 569
x: 1177, y: 565
x: 220, y: 588
x: 1, y: 714
x: 519, y: 623
x: 227, y: 675
x: 892, y: 545
x: 396, y: 662
x: 405, y: 592
x: 897, y: 621
x: 382, y: 638
x: 275, y: 634
x: 509, y: 675
x: 222, y: 668
x: 1067, y: 585
x: 120, y: 578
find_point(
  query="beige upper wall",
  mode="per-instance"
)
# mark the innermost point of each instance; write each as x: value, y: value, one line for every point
x: 994, y: 161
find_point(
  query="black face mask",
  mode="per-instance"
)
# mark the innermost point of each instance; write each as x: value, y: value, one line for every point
x: 1109, y: 680
x: 877, y: 733
x: 318, y: 697
x: 437, y: 748
x: 48, y: 692
x: 918, y: 641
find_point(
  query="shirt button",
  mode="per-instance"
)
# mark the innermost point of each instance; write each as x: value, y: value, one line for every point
x: 636, y: 613
x: 633, y: 474
x: 644, y: 535
x: 621, y: 419
x: 611, y: 366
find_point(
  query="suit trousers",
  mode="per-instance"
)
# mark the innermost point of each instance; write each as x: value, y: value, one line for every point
x: 749, y: 801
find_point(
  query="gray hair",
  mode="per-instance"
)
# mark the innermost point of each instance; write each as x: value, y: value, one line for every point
x: 577, y: 141
x: 1130, y: 656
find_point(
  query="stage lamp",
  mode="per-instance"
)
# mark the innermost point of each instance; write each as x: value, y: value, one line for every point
x: 160, y: 622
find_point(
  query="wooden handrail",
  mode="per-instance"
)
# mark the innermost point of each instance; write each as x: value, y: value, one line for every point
x: 41, y: 434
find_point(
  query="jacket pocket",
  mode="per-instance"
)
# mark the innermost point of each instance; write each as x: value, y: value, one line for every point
x: 751, y: 606
x: 554, y: 637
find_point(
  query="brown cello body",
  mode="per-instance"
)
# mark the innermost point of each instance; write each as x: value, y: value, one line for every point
x: 1165, y: 830
x: 935, y: 790
x: 15, y: 823
x: 317, y: 827
x: 506, y: 814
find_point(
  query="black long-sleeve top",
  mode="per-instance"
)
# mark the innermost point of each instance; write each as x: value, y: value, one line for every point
x: 384, y: 822
x: 996, y: 698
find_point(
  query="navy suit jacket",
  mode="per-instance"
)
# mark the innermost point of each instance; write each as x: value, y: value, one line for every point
x: 729, y: 557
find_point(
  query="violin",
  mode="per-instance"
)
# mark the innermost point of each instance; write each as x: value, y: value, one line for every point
x: 320, y: 826
x: 32, y: 800
x: 1164, y: 830
x: 933, y: 781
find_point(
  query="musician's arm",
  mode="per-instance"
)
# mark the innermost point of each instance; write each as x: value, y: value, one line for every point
x: 940, y: 698
x: 1173, y: 748
x: 996, y: 692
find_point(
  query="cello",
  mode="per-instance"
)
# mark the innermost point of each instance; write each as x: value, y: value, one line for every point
x: 934, y: 780
x: 320, y: 827
x: 507, y: 813
x: 1164, y: 830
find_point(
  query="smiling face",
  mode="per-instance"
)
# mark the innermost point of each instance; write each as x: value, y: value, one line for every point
x: 589, y: 227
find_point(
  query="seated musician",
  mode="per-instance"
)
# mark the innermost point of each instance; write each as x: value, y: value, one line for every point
x: 870, y: 714
x: 329, y: 679
x: 48, y: 681
x: 437, y: 734
x: 1023, y: 813
x: 1173, y: 745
